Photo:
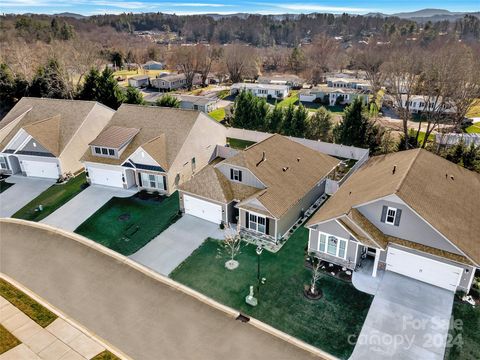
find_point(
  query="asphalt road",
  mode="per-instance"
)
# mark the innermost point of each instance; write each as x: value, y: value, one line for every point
x: 140, y: 315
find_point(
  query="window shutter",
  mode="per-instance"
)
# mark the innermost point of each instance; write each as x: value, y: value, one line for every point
x: 231, y: 174
x: 247, y: 219
x: 139, y: 179
x: 384, y: 213
x: 267, y: 225
x: 240, y: 176
x: 165, y: 183
x: 313, y: 242
x: 397, y: 217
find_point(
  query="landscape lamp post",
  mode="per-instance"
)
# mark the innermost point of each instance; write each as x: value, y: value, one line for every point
x: 259, y: 252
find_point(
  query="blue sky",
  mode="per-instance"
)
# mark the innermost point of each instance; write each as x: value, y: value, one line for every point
x: 90, y: 7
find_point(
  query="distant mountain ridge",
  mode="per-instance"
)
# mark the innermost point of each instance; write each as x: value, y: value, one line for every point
x: 428, y: 14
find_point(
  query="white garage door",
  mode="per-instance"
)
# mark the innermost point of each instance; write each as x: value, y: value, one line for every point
x: 105, y: 177
x: 40, y: 169
x: 424, y: 269
x: 202, y: 209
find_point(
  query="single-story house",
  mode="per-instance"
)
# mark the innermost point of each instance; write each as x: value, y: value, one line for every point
x: 47, y: 137
x: 139, y: 81
x: 262, y: 90
x: 347, y: 82
x: 410, y: 212
x: 265, y: 188
x: 291, y: 80
x: 202, y: 103
x: 152, y: 148
x: 333, y: 96
x: 153, y: 65
x: 421, y: 104
x: 169, y: 82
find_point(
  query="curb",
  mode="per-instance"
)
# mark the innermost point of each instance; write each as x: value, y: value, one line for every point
x: 164, y: 280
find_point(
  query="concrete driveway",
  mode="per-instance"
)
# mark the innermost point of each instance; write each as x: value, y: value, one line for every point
x: 81, y: 207
x: 171, y: 247
x: 408, y: 319
x: 25, y: 190
x: 145, y: 316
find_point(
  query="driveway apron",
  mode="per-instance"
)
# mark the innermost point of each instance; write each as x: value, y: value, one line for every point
x: 81, y: 207
x: 408, y: 319
x: 25, y: 190
x: 169, y: 249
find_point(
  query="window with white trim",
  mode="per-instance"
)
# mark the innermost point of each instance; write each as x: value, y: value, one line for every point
x: 104, y: 151
x: 3, y: 163
x: 257, y: 223
x: 391, y: 215
x: 332, y: 245
x: 152, y: 181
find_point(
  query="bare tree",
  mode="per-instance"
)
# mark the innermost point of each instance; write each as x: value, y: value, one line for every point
x: 402, y: 74
x: 316, y: 275
x: 207, y: 55
x: 370, y: 59
x: 185, y: 60
x: 320, y: 57
x: 231, y: 244
x: 240, y: 61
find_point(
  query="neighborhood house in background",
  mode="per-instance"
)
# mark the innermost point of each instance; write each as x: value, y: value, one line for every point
x: 47, y: 137
x: 407, y: 212
x: 153, y: 148
x: 261, y: 90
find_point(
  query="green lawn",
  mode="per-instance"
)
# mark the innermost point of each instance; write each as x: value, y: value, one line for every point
x: 51, y: 199
x: 106, y: 355
x: 7, y: 340
x: 473, y: 129
x: 290, y: 100
x: 127, y: 224
x: 474, y: 110
x: 41, y: 315
x: 239, y: 143
x: 465, y: 340
x: 218, y: 114
x: 4, y: 186
x: 325, y: 323
x: 421, y: 136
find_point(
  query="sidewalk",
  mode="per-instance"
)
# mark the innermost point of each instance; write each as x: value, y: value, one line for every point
x: 58, y: 341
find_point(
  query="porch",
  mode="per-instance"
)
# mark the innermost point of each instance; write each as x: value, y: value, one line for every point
x: 363, y: 278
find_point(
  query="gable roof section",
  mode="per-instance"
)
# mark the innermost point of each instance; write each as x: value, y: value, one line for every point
x: 47, y: 133
x: 40, y: 112
x: 444, y: 194
x: 114, y: 137
x: 161, y: 132
x: 211, y: 184
x: 304, y: 168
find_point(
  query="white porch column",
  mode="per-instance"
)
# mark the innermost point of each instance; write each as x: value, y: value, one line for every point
x: 375, y: 263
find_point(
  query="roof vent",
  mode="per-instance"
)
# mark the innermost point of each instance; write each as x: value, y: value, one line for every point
x: 452, y: 177
x: 264, y: 158
x: 298, y: 159
x: 285, y: 168
x: 394, y: 169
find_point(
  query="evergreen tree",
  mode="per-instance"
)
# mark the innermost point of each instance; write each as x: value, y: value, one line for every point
x: 296, y: 60
x: 168, y: 100
x: 48, y: 82
x: 102, y: 87
x: 275, y: 119
x: 299, y: 124
x: 319, y: 126
x: 356, y: 129
x: 261, y: 111
x: 288, y: 121
x: 133, y: 96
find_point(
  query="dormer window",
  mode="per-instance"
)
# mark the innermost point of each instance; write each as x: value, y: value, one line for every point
x: 104, y: 151
x: 236, y: 175
x: 391, y: 215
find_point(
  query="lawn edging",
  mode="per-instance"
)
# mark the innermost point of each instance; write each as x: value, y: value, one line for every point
x: 230, y: 312
x: 59, y: 313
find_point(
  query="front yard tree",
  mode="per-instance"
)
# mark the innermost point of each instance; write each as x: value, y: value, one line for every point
x: 102, y: 87
x: 316, y: 275
x: 319, y: 125
x: 49, y: 82
x: 275, y: 119
x: 249, y: 112
x: 232, y: 244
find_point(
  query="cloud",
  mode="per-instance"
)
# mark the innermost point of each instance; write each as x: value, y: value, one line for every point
x: 321, y: 8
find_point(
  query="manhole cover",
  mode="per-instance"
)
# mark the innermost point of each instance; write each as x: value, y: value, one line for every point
x: 124, y: 217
